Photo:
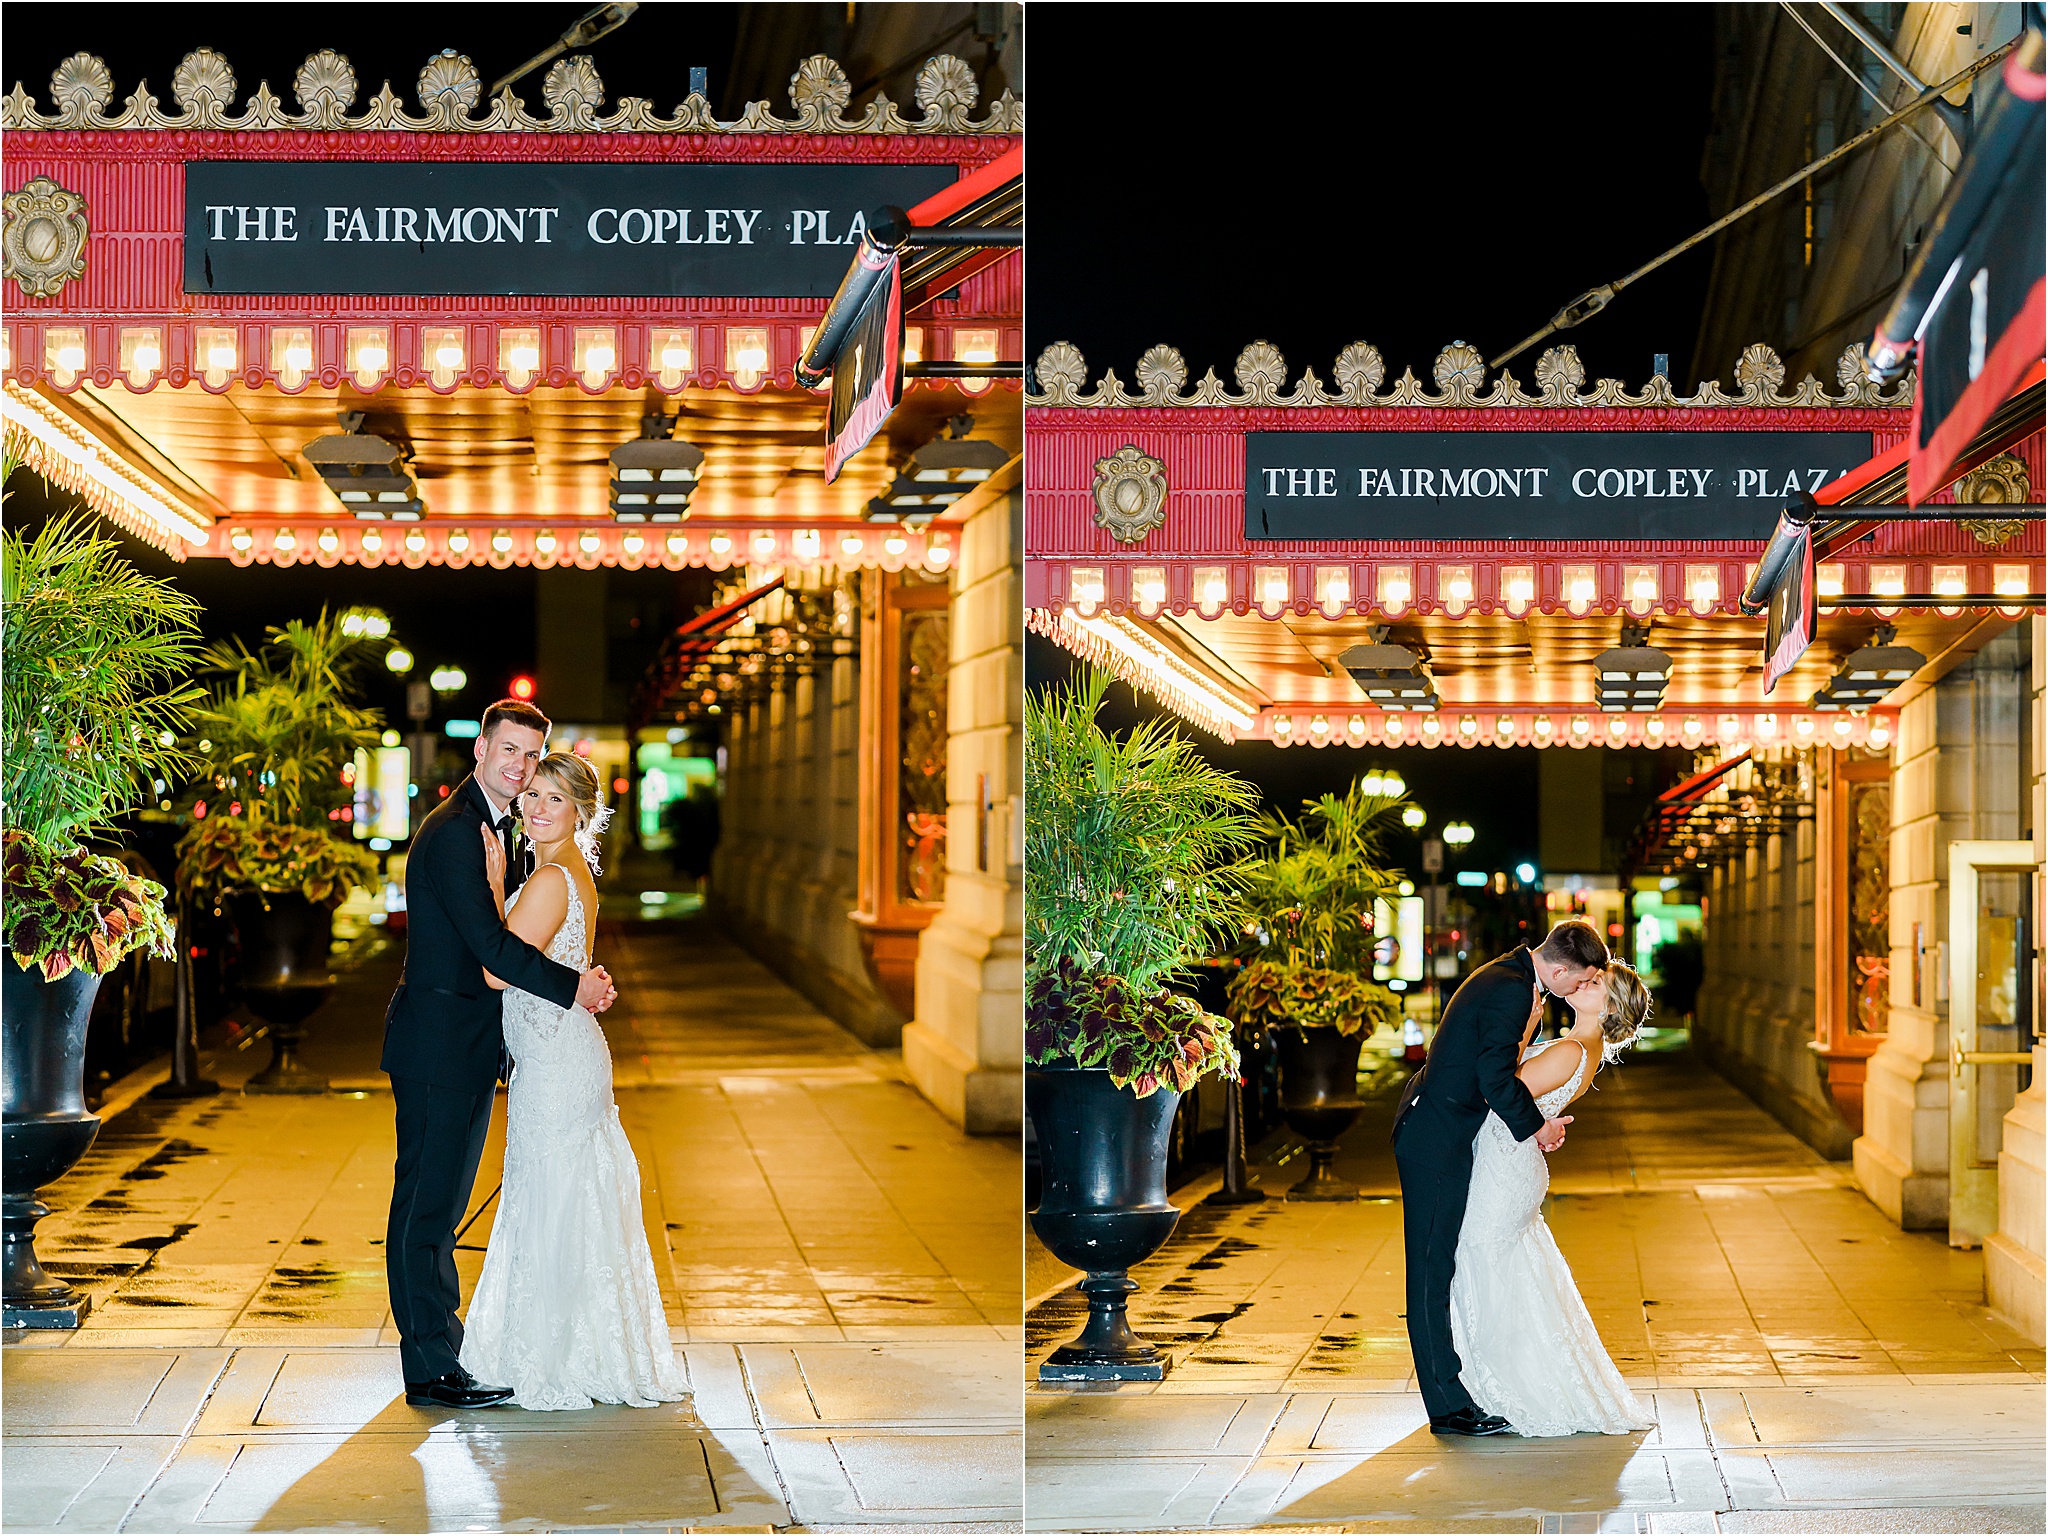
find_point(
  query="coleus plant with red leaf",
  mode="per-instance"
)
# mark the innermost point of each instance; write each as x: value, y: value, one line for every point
x: 94, y: 699
x: 1146, y: 1040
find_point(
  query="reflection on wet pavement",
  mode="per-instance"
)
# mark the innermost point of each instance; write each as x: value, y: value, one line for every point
x: 840, y: 1267
x: 1722, y: 1260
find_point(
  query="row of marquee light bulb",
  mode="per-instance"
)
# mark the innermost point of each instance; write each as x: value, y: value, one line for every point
x: 764, y: 547
x: 1457, y: 590
x: 1731, y: 732
x: 445, y: 349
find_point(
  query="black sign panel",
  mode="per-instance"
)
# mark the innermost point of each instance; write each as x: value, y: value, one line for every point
x: 1548, y: 486
x: 577, y: 231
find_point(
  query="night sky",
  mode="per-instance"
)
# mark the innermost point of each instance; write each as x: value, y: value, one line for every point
x: 1407, y: 175
x: 651, y: 55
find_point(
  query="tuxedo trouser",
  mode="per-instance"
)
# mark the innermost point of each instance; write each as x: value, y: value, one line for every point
x: 440, y: 1142
x: 1432, y: 1215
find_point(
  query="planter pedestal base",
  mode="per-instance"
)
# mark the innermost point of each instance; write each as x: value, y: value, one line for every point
x: 1106, y: 1349
x: 1320, y: 1183
x: 35, y: 1297
x: 286, y: 1009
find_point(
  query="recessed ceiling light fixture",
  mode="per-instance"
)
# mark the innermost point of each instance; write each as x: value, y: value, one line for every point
x: 655, y: 475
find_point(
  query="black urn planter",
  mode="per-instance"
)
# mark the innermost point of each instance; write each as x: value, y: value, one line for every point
x: 47, y: 1130
x: 1102, y: 1208
x: 1319, y: 1100
x: 284, y: 942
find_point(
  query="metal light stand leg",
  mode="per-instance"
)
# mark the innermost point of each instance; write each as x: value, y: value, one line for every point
x: 1238, y: 1188
x: 185, y: 1081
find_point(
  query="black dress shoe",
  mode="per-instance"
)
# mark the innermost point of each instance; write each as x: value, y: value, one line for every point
x: 458, y: 1389
x: 1469, y: 1421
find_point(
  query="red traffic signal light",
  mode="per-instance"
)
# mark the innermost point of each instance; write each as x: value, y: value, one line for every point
x: 522, y: 687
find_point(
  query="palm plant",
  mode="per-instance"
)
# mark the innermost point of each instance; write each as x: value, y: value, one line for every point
x: 1308, y: 948
x: 275, y: 739
x: 1129, y: 848
x: 92, y: 708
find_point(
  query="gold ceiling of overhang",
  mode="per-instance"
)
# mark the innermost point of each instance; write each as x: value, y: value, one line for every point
x: 1541, y: 661
x: 493, y: 454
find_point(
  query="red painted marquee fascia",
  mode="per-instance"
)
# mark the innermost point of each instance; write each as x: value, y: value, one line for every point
x: 134, y: 186
x: 1202, y: 449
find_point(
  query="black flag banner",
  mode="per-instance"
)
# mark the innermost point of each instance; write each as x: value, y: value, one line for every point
x: 1794, y: 613
x: 1972, y: 305
x: 867, y: 373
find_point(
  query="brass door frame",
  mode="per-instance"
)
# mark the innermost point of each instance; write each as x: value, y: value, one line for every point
x: 1972, y: 1184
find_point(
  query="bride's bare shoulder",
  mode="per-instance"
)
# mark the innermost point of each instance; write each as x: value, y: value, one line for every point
x: 1552, y: 1066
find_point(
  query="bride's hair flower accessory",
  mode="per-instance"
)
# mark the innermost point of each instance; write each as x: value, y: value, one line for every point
x: 577, y: 780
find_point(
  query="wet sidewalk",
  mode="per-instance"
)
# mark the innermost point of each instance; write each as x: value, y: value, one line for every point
x: 1810, y: 1366
x: 839, y: 1265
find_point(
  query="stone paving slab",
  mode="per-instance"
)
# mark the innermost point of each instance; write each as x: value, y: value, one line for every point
x: 103, y: 1438
x: 1805, y: 1361
x: 1105, y: 1461
x: 841, y: 1269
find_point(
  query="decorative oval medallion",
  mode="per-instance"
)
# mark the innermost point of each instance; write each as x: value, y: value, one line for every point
x: 1130, y: 494
x: 43, y: 245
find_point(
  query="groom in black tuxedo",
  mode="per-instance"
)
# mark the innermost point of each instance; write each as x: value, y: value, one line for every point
x: 443, y: 1043
x: 1470, y: 1070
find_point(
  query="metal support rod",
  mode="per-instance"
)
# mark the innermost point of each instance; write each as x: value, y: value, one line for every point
x: 939, y: 370
x: 588, y: 29
x: 994, y: 236
x: 1794, y: 523
x: 1864, y: 85
x: 1933, y: 600
x: 1869, y: 39
x: 1593, y: 300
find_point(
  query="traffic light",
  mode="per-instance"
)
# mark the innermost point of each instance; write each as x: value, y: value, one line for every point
x: 522, y: 688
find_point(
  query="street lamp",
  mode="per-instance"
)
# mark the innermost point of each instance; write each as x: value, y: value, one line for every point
x: 1414, y: 816
x: 398, y: 659
x: 1458, y: 833
x: 449, y: 680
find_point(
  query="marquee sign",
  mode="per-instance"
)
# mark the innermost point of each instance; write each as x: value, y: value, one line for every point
x: 1551, y: 486
x: 557, y: 228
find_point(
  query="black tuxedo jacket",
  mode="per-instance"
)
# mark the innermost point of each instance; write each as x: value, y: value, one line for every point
x: 443, y: 1026
x: 1471, y: 1064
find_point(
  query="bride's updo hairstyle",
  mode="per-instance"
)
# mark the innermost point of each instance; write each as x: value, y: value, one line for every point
x: 1626, y: 1010
x: 577, y: 781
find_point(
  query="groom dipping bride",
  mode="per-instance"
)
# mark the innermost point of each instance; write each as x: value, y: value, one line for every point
x: 1503, y: 1344
x: 498, y: 984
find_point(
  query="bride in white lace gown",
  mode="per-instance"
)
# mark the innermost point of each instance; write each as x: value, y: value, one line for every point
x: 1529, y: 1348
x: 568, y: 1309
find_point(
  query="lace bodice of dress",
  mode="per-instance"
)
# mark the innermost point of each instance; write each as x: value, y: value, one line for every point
x: 534, y: 1021
x: 569, y: 945
x: 1555, y: 1100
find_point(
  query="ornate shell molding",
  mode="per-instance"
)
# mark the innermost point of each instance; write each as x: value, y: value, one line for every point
x: 1459, y: 373
x: 449, y: 91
